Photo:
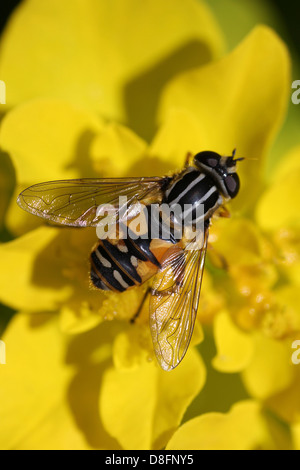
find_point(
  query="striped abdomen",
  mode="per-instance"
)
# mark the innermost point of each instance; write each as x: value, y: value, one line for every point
x: 120, y: 265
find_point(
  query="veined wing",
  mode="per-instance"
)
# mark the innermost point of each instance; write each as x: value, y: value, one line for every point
x: 75, y: 202
x: 174, y: 303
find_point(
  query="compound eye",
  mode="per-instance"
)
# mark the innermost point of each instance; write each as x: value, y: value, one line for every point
x: 232, y: 183
x: 207, y: 158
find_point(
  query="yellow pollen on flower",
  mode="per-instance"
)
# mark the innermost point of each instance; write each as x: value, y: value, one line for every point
x: 275, y: 325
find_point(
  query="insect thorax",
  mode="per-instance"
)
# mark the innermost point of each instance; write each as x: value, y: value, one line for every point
x: 196, y: 194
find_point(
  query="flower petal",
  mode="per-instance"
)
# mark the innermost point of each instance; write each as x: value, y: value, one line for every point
x: 45, y: 136
x: 132, y: 347
x: 296, y: 436
x: 270, y: 370
x: 21, y: 273
x: 234, y: 348
x: 286, y: 404
x: 152, y: 402
x: 34, y: 412
x: 289, y: 162
x: 49, y: 268
x: 78, y: 316
x: 278, y: 207
x: 242, y: 428
x: 46, y: 140
x: 178, y: 135
x: 288, y: 299
x: 116, y: 150
x: 239, y: 102
x: 239, y: 234
x: 101, y: 47
x: 7, y: 183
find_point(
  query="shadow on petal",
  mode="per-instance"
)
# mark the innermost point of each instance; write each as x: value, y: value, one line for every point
x: 142, y: 93
x: 82, y: 162
x: 90, y: 354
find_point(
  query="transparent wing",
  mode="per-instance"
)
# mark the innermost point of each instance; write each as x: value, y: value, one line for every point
x: 174, y: 303
x: 75, y: 202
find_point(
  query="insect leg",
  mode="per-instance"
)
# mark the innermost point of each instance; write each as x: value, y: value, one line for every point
x: 223, y: 212
x: 187, y: 159
x: 136, y: 315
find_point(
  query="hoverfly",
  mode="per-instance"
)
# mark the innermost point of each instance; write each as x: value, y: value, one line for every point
x: 175, y: 264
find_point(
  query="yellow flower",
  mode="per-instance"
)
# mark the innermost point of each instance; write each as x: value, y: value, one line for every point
x: 90, y: 383
x: 244, y: 428
x: 260, y: 318
x: 112, y: 57
x: 52, y: 132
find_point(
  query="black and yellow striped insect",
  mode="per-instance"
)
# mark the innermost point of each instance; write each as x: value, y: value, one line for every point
x: 175, y: 263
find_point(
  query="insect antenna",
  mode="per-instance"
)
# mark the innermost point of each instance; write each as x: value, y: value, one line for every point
x: 240, y: 158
